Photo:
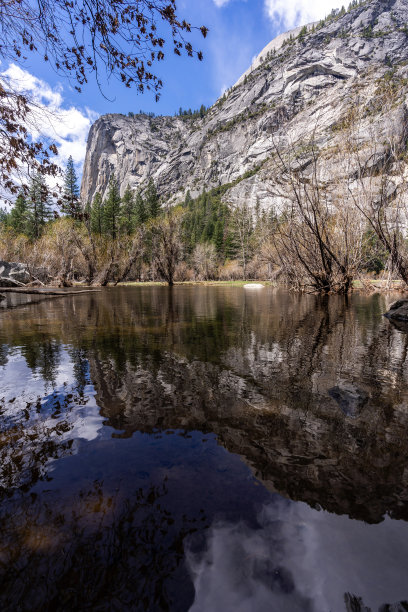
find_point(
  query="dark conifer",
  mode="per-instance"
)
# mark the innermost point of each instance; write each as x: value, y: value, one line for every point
x: 219, y: 236
x: 19, y: 216
x: 71, y: 204
x: 112, y: 209
x: 39, y: 206
x: 152, y: 200
x: 140, y: 209
x: 97, y: 215
x: 127, y: 213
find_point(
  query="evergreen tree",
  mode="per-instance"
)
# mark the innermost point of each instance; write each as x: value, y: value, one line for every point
x: 127, y: 214
x: 71, y: 204
x: 96, y: 215
x: 39, y: 205
x: 219, y: 236
x: 231, y: 246
x: 152, y: 200
x: 87, y: 211
x: 112, y: 209
x: 4, y: 216
x: 19, y: 217
x: 205, y: 221
x: 140, y: 209
x: 188, y: 202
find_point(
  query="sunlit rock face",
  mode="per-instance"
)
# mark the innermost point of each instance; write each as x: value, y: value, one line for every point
x: 307, y: 85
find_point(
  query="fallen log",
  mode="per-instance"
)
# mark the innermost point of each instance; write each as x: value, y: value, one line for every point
x: 47, y: 295
x: 45, y: 291
x: 10, y: 282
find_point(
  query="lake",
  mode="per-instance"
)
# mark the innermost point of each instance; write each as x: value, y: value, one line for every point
x: 203, y: 448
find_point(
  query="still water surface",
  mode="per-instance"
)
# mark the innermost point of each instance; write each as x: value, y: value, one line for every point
x: 204, y: 449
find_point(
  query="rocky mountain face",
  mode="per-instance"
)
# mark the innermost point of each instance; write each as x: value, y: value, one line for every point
x: 303, y: 84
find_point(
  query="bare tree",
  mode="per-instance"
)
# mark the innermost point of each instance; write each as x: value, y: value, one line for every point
x: 167, y: 243
x: 204, y: 260
x: 133, y: 255
x: 318, y: 236
x: 378, y: 173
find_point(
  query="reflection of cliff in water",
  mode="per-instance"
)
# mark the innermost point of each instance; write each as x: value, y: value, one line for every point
x: 269, y: 398
x: 259, y: 371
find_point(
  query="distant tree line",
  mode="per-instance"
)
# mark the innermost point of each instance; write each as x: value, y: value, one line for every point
x: 136, y: 235
x: 184, y: 113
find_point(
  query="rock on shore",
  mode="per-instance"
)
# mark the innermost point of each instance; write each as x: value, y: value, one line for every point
x: 13, y: 274
x: 398, y: 311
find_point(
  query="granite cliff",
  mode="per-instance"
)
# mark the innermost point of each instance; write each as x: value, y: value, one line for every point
x: 304, y: 81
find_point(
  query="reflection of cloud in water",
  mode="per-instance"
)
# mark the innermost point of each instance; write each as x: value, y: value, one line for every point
x: 300, y: 559
x: 43, y: 420
x: 22, y: 387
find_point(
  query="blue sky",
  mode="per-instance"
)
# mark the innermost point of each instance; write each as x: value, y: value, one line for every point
x: 239, y: 29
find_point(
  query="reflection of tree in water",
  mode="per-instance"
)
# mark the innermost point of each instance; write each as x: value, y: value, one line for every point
x: 3, y: 354
x: 257, y: 371
x: 254, y: 370
x: 101, y: 549
x: 37, y: 432
x: 42, y: 355
x: 81, y: 369
x: 37, y: 435
x: 268, y: 399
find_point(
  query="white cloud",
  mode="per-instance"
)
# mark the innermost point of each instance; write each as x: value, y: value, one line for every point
x: 51, y: 120
x: 228, y: 66
x: 291, y: 13
x: 220, y: 3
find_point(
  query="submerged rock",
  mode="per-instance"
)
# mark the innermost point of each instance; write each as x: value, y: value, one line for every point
x: 349, y: 397
x: 398, y: 311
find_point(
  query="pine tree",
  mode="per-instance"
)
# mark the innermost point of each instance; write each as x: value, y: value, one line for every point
x: 127, y: 214
x: 4, y: 217
x: 219, y: 236
x: 39, y: 206
x: 71, y: 204
x: 19, y: 217
x: 188, y: 202
x: 96, y: 215
x: 112, y: 209
x: 152, y: 200
x: 140, y: 209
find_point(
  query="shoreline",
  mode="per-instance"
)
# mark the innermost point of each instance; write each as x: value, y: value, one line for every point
x: 364, y: 285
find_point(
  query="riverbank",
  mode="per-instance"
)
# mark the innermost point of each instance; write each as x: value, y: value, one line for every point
x: 362, y: 285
